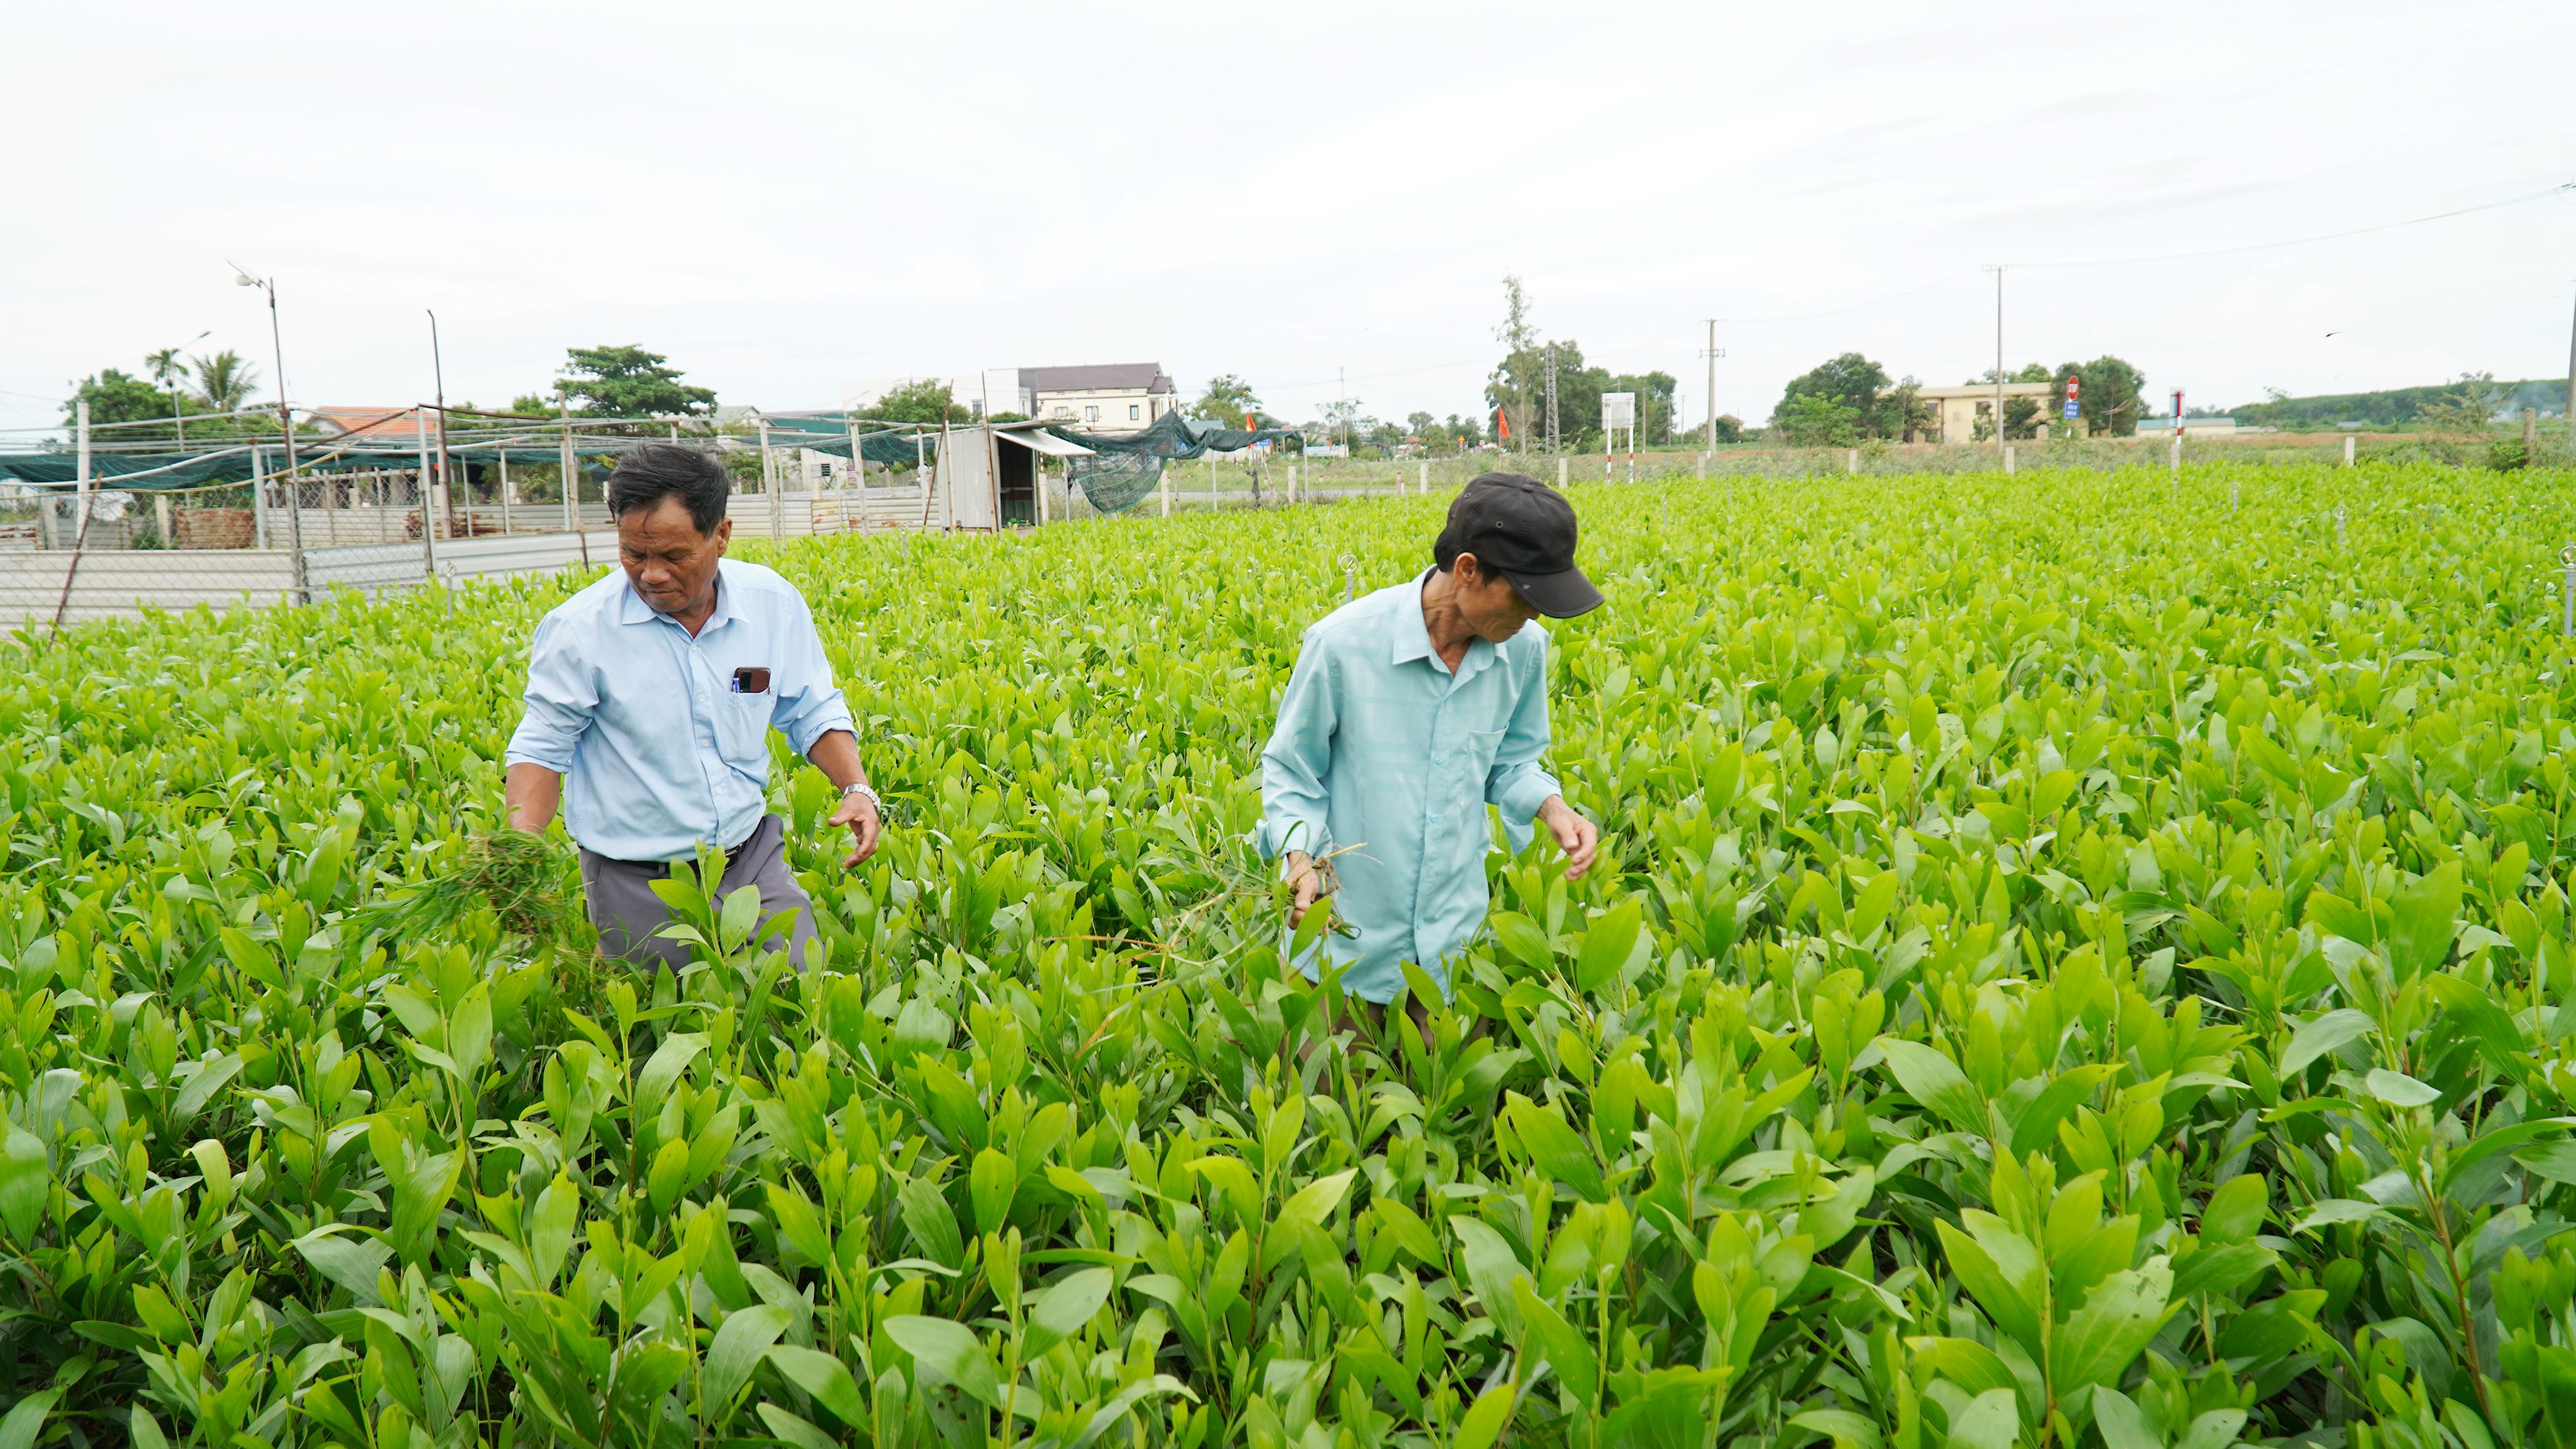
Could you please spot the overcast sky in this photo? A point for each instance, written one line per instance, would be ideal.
(781, 197)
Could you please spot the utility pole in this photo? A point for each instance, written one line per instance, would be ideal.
(286, 424)
(446, 470)
(1999, 358)
(2571, 386)
(1708, 442)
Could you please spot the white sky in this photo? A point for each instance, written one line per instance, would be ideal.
(782, 196)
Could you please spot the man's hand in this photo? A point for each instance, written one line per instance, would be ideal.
(865, 828)
(1579, 838)
(1312, 880)
(836, 754)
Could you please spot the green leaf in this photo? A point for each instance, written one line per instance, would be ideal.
(952, 1353)
(789, 1427)
(741, 913)
(1559, 1151)
(24, 1181)
(1607, 944)
(2123, 1426)
(1485, 1419)
(2426, 918)
(1490, 1266)
(669, 1059)
(1060, 1312)
(351, 1262)
(209, 1079)
(26, 1419)
(1847, 1429)
(1522, 937)
(825, 1377)
(146, 1430)
(737, 1350)
(2235, 1211)
(2118, 1320)
(1577, 1366)
(2400, 1090)
(2038, 1125)
(1935, 1081)
(2315, 1038)
(1991, 1421)
(1995, 1290)
(992, 1183)
(2216, 1429)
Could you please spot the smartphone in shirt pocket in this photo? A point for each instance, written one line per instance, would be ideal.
(751, 679)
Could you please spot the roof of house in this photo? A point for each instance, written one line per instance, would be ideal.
(378, 422)
(1098, 377)
(1987, 390)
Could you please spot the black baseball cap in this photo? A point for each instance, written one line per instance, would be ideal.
(1523, 530)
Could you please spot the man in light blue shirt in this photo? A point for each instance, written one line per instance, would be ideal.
(1410, 711)
(650, 699)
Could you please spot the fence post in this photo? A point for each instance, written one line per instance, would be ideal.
(1560, 472)
(258, 496)
(2347, 450)
(503, 453)
(2530, 435)
(1426, 477)
(2008, 458)
(1851, 461)
(2176, 460)
(428, 525)
(572, 486)
(769, 481)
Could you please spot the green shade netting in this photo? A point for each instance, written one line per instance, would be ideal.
(830, 436)
(1125, 468)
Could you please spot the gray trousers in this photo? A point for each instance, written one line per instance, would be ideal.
(623, 907)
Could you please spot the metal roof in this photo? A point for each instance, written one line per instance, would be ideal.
(1098, 377)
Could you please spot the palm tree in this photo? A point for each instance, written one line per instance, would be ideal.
(164, 365)
(225, 381)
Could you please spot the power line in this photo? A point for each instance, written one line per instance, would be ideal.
(2302, 241)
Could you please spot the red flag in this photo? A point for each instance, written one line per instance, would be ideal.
(1249, 425)
(1502, 427)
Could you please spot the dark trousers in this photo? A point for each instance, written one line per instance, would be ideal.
(623, 907)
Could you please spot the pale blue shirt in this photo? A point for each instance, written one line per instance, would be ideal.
(1383, 754)
(658, 750)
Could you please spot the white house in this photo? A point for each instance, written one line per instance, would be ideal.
(1111, 397)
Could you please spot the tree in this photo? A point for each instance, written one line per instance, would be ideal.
(2110, 394)
(167, 369)
(1421, 425)
(1518, 379)
(1730, 428)
(225, 383)
(1817, 420)
(1861, 388)
(2021, 414)
(114, 397)
(1227, 399)
(629, 382)
(924, 401)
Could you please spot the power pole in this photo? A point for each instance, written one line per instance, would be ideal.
(1999, 358)
(446, 471)
(2571, 386)
(1708, 443)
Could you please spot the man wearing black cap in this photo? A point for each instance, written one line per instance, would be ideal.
(1410, 711)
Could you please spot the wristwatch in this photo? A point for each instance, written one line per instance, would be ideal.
(875, 802)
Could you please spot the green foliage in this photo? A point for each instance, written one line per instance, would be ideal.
(225, 382)
(2397, 407)
(925, 401)
(628, 382)
(113, 397)
(1863, 405)
(2076, 961)
(1227, 400)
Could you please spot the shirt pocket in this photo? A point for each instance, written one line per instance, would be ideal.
(742, 730)
(1481, 748)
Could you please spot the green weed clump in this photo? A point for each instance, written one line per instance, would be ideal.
(2078, 960)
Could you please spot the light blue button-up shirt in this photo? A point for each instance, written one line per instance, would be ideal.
(1383, 754)
(659, 751)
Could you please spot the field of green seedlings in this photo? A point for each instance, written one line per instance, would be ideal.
(2079, 960)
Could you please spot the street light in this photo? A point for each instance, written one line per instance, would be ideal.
(286, 423)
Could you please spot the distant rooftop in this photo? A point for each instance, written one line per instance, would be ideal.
(1098, 377)
(377, 422)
